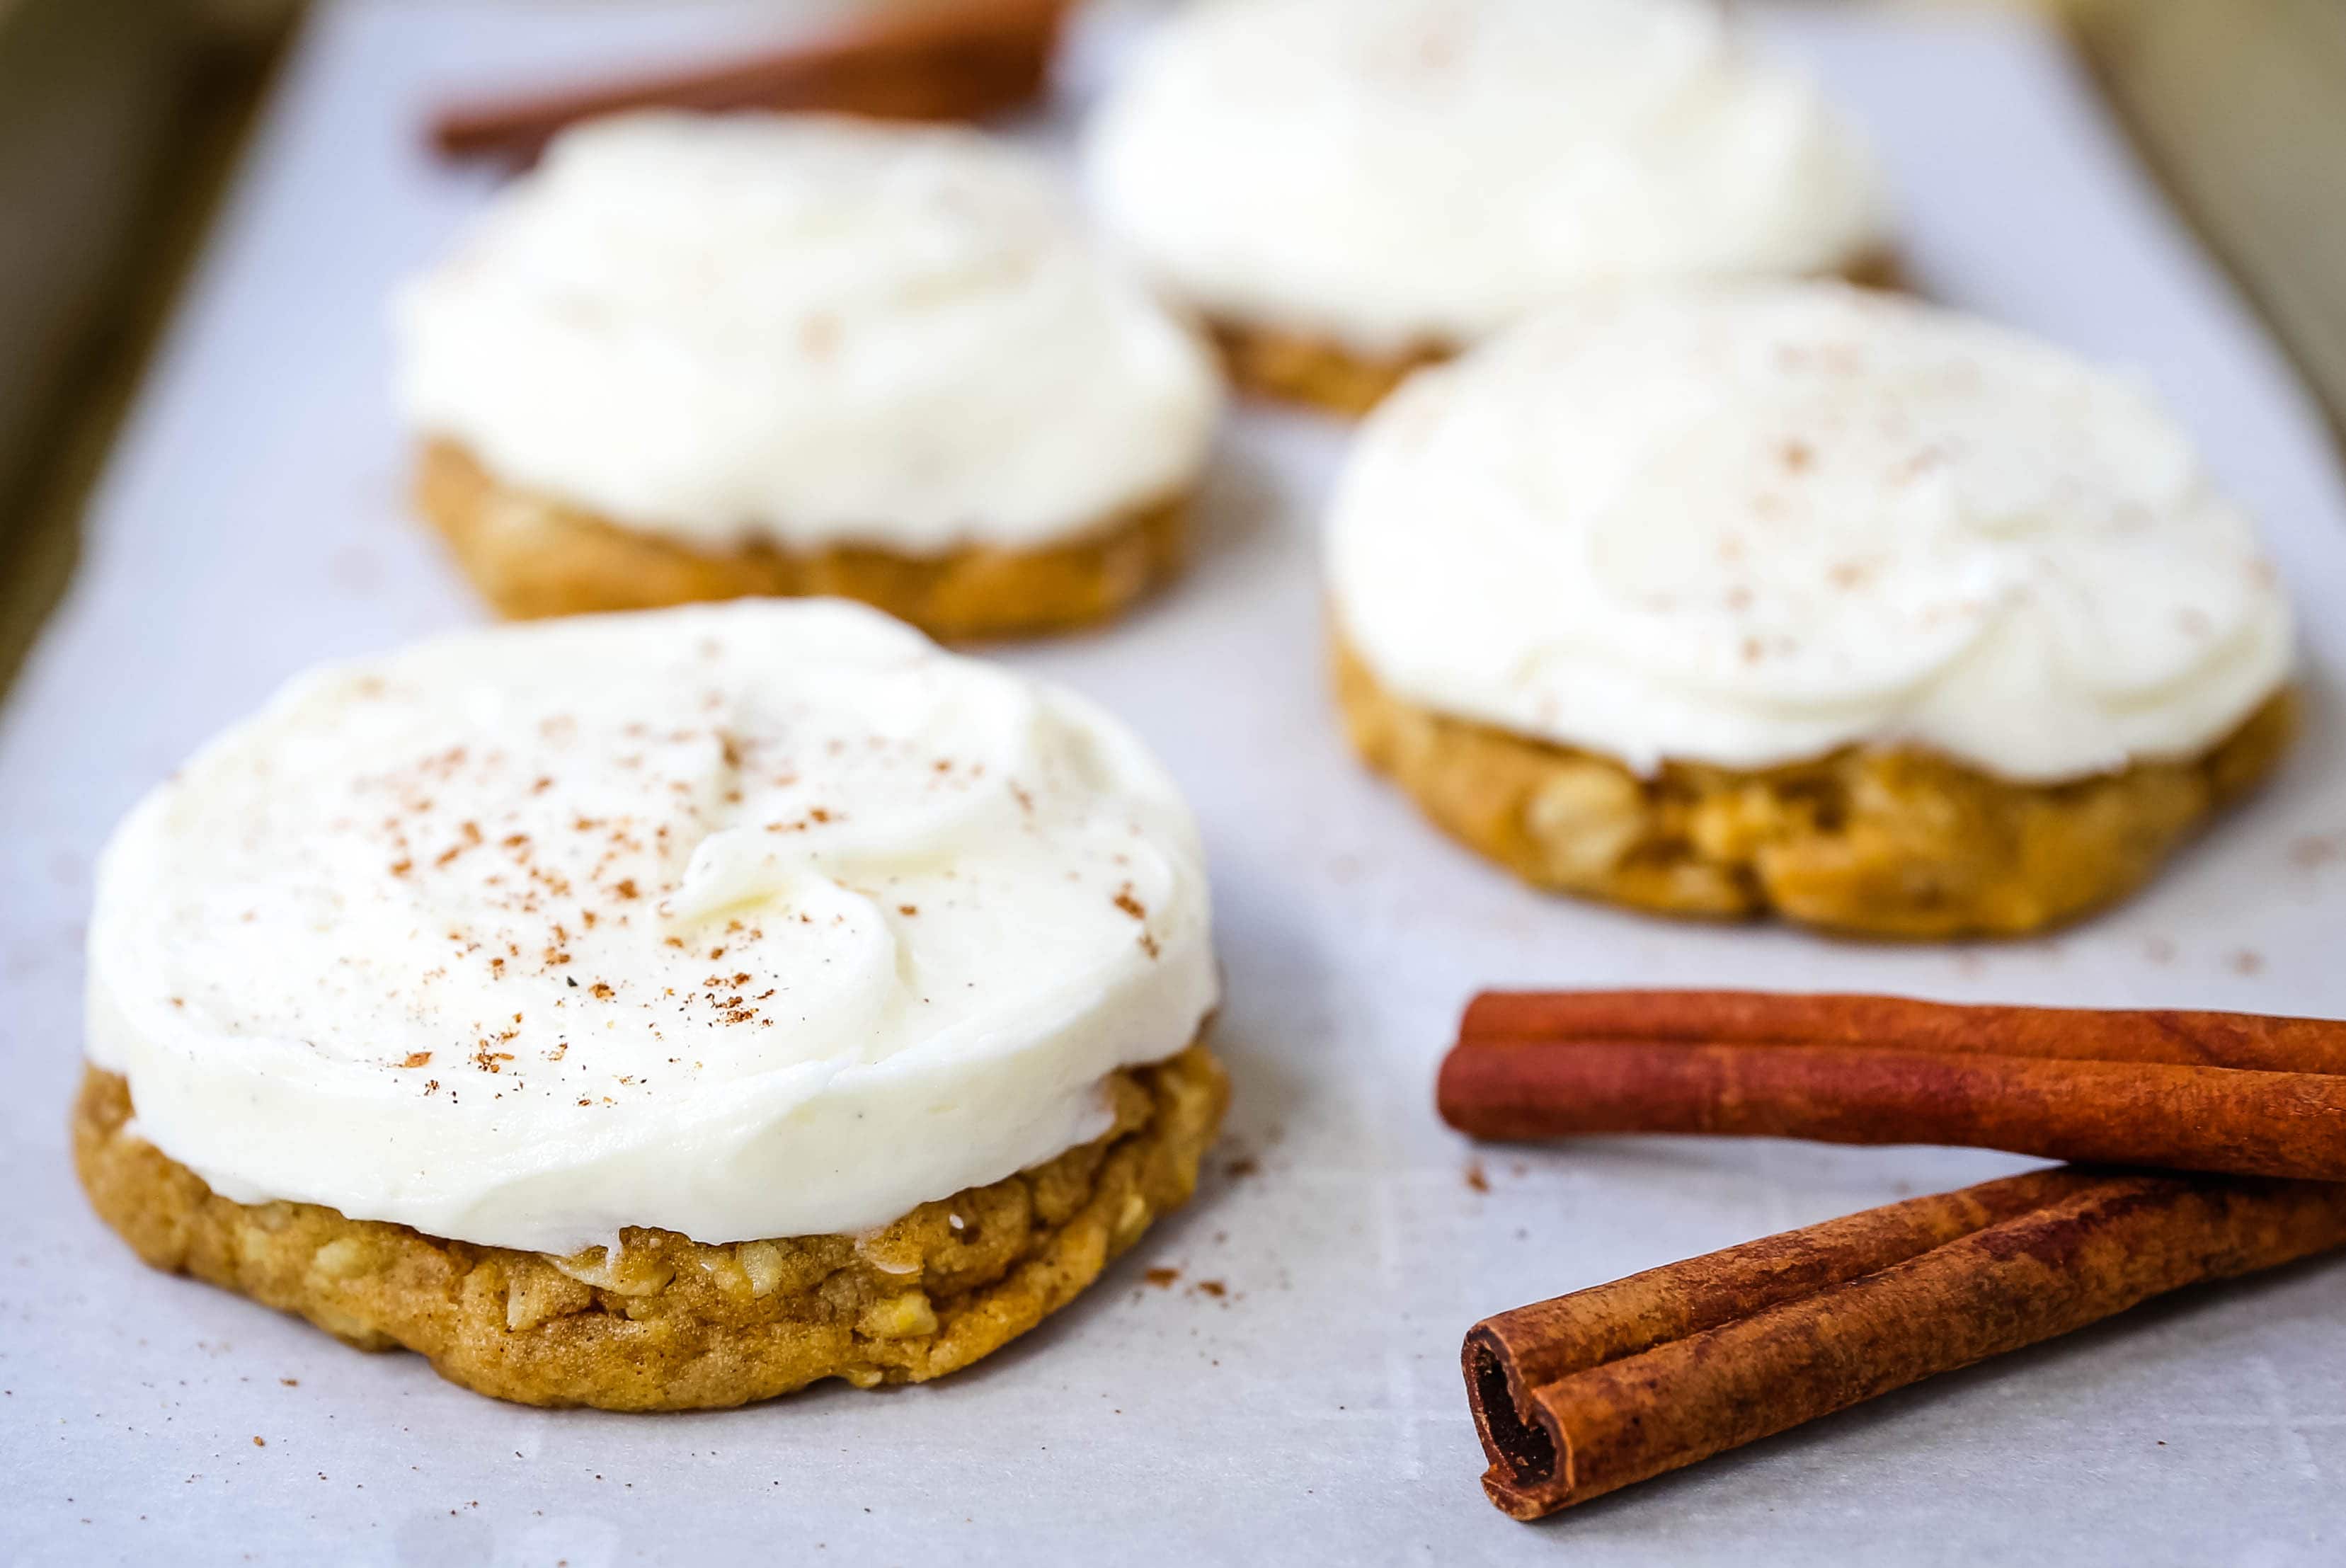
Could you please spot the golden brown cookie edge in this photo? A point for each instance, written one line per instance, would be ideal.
(674, 1324)
(1315, 370)
(1868, 841)
(532, 555)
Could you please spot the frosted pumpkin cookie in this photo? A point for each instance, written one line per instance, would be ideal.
(1797, 599)
(697, 358)
(1349, 188)
(655, 1011)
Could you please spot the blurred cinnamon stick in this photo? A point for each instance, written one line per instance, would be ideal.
(2247, 1039)
(1592, 1391)
(950, 59)
(2191, 1091)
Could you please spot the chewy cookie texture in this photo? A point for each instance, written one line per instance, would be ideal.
(1300, 367)
(1297, 367)
(1873, 841)
(703, 357)
(1349, 188)
(532, 555)
(672, 1324)
(445, 998)
(1803, 598)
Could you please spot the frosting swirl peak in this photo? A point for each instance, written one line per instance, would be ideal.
(761, 920)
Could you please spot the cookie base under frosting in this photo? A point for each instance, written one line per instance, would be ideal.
(532, 555)
(1318, 373)
(1872, 841)
(673, 1324)
(1288, 365)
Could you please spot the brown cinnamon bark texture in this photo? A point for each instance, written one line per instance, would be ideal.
(2244, 1040)
(1592, 1391)
(943, 60)
(2215, 1092)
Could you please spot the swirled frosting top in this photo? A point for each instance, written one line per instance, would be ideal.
(804, 332)
(1400, 174)
(1750, 525)
(762, 919)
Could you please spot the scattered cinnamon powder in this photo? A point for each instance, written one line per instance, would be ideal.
(2312, 852)
(1162, 1277)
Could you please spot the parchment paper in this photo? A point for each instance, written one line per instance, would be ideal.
(252, 522)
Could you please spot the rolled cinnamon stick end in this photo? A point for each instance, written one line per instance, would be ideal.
(1550, 1339)
(2173, 1118)
(2242, 1040)
(2091, 1245)
(948, 60)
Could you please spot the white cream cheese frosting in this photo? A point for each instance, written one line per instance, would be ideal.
(1750, 525)
(805, 330)
(761, 920)
(1405, 174)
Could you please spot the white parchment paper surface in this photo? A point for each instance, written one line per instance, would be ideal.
(251, 521)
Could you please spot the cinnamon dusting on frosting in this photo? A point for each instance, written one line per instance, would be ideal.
(513, 851)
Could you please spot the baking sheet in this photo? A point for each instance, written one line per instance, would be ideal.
(251, 522)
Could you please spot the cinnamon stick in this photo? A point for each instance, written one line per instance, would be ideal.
(2245, 1040)
(951, 59)
(1592, 1391)
(2216, 1092)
